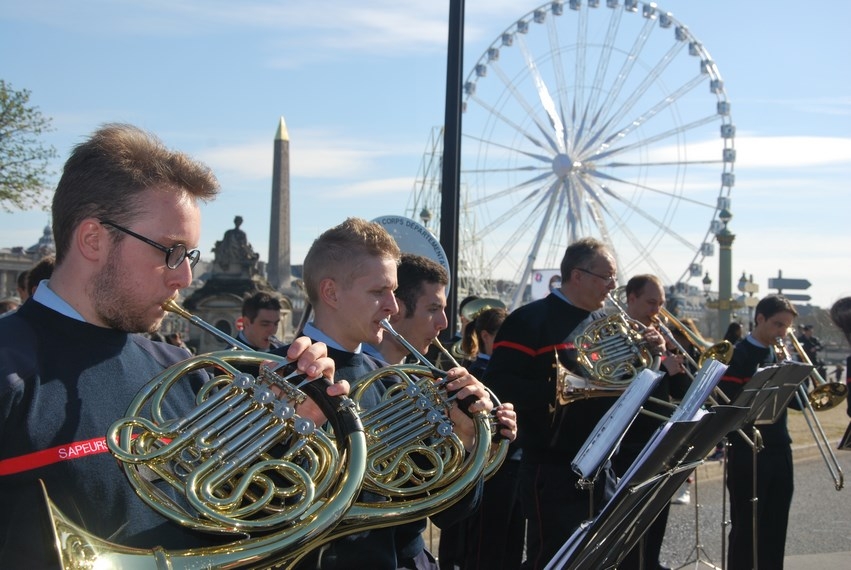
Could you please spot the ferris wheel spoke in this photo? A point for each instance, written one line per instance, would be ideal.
(658, 191)
(500, 116)
(626, 69)
(561, 84)
(656, 138)
(492, 143)
(539, 238)
(637, 94)
(545, 98)
(665, 103)
(605, 56)
(509, 191)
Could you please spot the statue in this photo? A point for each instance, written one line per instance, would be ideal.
(233, 254)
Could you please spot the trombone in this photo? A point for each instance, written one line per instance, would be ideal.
(808, 403)
(824, 395)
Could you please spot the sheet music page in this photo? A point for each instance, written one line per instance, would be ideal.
(611, 428)
(700, 390)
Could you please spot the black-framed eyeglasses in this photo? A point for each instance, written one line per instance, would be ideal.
(611, 279)
(174, 255)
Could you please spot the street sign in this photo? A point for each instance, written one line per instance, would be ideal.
(784, 283)
(796, 297)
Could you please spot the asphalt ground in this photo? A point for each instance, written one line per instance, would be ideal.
(819, 534)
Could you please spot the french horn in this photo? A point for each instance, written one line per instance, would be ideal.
(242, 462)
(612, 352)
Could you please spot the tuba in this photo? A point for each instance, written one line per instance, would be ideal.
(242, 462)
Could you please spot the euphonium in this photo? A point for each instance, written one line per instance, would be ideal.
(241, 462)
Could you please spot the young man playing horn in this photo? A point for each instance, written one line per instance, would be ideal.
(350, 274)
(261, 318)
(421, 296)
(126, 220)
(533, 341)
(773, 317)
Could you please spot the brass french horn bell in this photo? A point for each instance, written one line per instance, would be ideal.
(477, 306)
(469, 312)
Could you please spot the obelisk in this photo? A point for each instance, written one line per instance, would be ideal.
(278, 270)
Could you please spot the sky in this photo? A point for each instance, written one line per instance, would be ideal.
(361, 86)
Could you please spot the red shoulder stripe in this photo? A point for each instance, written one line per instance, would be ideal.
(734, 380)
(531, 351)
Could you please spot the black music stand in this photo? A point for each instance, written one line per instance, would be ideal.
(665, 463)
(645, 490)
(845, 442)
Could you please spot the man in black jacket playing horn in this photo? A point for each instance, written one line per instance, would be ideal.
(530, 347)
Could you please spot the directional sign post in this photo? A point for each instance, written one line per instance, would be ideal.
(780, 283)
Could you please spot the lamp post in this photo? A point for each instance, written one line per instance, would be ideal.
(425, 216)
(725, 239)
(746, 285)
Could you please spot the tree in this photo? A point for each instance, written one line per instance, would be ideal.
(23, 158)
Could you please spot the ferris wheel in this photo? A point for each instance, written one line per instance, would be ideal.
(607, 120)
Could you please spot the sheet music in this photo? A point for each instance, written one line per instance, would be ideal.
(700, 390)
(611, 428)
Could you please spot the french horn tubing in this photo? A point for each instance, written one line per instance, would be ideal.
(415, 461)
(498, 452)
(242, 462)
(612, 351)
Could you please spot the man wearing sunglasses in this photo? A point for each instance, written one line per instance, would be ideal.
(126, 221)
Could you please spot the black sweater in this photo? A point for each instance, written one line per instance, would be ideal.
(385, 548)
(63, 382)
(522, 371)
(747, 358)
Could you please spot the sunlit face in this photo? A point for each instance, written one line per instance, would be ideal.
(593, 284)
(422, 326)
(129, 290)
(768, 330)
(645, 306)
(364, 302)
(264, 325)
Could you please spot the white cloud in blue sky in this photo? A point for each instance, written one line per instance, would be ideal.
(361, 85)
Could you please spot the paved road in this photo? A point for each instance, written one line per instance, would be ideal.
(819, 535)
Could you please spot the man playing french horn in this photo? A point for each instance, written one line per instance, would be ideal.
(350, 274)
(532, 343)
(126, 220)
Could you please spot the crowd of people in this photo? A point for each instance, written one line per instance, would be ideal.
(83, 340)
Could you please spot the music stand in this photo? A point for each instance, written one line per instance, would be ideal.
(665, 463)
(675, 450)
(610, 430)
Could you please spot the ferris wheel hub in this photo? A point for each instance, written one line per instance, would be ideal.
(564, 165)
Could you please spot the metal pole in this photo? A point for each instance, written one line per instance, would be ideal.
(451, 181)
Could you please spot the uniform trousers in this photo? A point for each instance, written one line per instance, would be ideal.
(774, 488)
